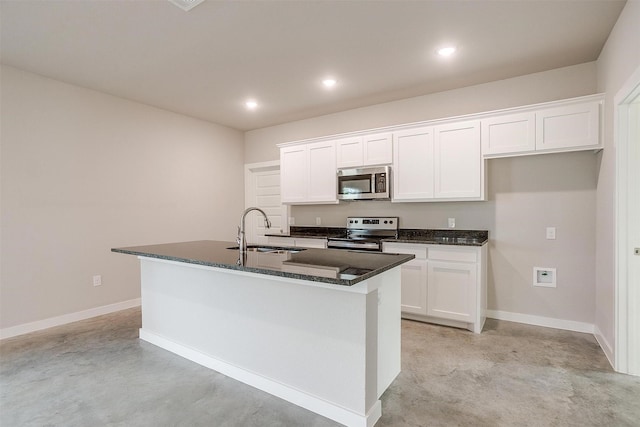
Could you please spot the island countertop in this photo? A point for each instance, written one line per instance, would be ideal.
(333, 266)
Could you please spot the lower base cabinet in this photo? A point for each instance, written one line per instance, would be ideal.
(445, 284)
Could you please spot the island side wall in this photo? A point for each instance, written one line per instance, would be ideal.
(328, 348)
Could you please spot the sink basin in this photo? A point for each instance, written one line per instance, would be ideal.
(269, 249)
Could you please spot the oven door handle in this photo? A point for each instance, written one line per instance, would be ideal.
(351, 245)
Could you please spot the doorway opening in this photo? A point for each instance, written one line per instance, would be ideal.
(627, 298)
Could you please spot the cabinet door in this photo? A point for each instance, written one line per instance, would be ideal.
(378, 149)
(568, 127)
(413, 287)
(451, 290)
(458, 161)
(349, 152)
(322, 177)
(512, 133)
(294, 165)
(413, 165)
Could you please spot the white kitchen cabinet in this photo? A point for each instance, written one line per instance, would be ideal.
(413, 282)
(413, 165)
(377, 149)
(553, 127)
(458, 161)
(366, 150)
(451, 290)
(294, 174)
(438, 163)
(308, 173)
(444, 284)
(322, 173)
(568, 126)
(510, 133)
(349, 152)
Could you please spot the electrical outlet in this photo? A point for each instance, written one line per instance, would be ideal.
(97, 280)
(292, 221)
(318, 220)
(452, 223)
(551, 233)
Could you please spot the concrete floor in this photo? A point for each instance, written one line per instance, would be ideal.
(96, 372)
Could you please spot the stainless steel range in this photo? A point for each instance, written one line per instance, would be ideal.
(366, 233)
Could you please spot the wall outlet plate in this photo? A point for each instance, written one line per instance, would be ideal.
(551, 233)
(452, 222)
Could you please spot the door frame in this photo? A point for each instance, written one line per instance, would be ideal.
(627, 297)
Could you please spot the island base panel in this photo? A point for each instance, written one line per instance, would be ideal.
(330, 349)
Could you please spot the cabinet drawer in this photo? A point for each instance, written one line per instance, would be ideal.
(460, 255)
(420, 251)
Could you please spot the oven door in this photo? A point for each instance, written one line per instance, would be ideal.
(363, 184)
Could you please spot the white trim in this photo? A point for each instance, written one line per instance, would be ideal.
(283, 391)
(605, 345)
(51, 322)
(548, 322)
(625, 304)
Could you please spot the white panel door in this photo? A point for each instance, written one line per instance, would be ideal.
(457, 161)
(349, 152)
(511, 133)
(413, 165)
(451, 290)
(322, 177)
(568, 127)
(262, 189)
(378, 149)
(294, 176)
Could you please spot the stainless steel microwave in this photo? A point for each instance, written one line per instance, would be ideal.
(364, 183)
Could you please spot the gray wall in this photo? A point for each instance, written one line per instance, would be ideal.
(526, 194)
(83, 172)
(618, 60)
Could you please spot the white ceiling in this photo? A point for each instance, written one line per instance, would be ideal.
(206, 62)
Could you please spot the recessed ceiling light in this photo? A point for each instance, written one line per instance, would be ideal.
(251, 104)
(186, 5)
(329, 83)
(447, 51)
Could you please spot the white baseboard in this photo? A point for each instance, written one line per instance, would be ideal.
(26, 328)
(549, 322)
(283, 391)
(606, 347)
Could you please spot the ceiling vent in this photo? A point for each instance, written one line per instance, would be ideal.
(186, 5)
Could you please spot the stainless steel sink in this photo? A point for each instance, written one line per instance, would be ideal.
(269, 249)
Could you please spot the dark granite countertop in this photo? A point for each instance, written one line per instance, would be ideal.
(405, 235)
(333, 266)
(313, 232)
(442, 237)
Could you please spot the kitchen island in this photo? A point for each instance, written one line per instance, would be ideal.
(317, 327)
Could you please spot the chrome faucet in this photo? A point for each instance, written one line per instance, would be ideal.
(241, 240)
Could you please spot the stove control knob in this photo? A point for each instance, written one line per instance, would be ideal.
(385, 222)
(391, 222)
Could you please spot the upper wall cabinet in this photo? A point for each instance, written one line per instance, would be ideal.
(438, 163)
(510, 133)
(413, 165)
(366, 150)
(570, 125)
(457, 161)
(308, 173)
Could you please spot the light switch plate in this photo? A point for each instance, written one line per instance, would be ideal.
(551, 233)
